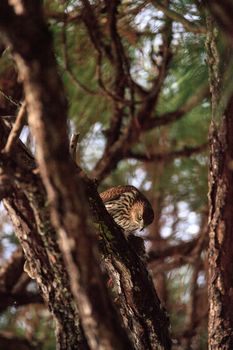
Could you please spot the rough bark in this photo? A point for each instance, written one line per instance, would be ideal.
(131, 280)
(147, 325)
(221, 235)
(221, 211)
(42, 87)
(27, 206)
(223, 13)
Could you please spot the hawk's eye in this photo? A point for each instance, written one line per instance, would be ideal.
(140, 218)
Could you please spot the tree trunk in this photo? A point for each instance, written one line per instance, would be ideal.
(221, 234)
(221, 210)
(135, 320)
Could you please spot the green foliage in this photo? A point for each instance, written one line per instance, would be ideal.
(179, 180)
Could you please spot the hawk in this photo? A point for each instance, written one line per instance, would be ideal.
(129, 208)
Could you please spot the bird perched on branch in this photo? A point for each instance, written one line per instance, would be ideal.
(129, 208)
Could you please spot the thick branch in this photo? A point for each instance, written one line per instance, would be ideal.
(11, 271)
(112, 155)
(65, 191)
(70, 214)
(47, 273)
(27, 207)
(171, 117)
(223, 13)
(18, 299)
(92, 25)
(134, 302)
(115, 153)
(121, 74)
(182, 249)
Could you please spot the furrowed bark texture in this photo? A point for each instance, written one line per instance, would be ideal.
(47, 118)
(222, 11)
(131, 283)
(27, 206)
(138, 304)
(28, 210)
(221, 235)
(221, 210)
(53, 284)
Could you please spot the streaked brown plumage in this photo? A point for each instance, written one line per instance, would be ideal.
(130, 209)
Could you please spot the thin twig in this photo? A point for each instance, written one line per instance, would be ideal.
(103, 87)
(16, 130)
(73, 145)
(73, 152)
(132, 132)
(170, 155)
(9, 98)
(78, 83)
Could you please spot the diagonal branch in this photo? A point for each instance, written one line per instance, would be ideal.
(11, 271)
(16, 130)
(70, 207)
(26, 204)
(193, 27)
(18, 299)
(168, 156)
(94, 31)
(223, 13)
(184, 248)
(69, 210)
(112, 155)
(121, 74)
(123, 146)
(171, 117)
